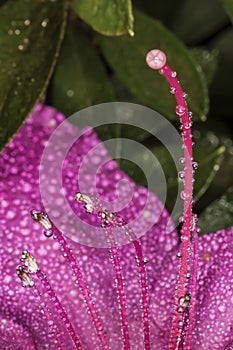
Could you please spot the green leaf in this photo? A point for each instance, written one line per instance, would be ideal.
(77, 82)
(218, 215)
(165, 11)
(228, 5)
(108, 17)
(208, 60)
(127, 57)
(30, 37)
(208, 158)
(196, 20)
(209, 161)
(221, 89)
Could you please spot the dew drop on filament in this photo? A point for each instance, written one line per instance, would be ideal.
(48, 233)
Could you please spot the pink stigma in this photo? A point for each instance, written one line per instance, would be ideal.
(156, 59)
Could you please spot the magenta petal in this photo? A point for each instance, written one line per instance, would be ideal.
(214, 328)
(20, 188)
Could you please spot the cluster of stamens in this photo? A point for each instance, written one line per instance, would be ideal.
(30, 267)
(156, 59)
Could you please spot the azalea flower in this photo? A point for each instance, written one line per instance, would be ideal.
(76, 294)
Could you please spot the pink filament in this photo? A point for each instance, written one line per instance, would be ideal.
(188, 190)
(143, 284)
(119, 221)
(182, 110)
(193, 291)
(60, 309)
(49, 319)
(144, 291)
(82, 284)
(120, 288)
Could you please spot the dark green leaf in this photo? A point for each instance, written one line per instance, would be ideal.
(208, 61)
(218, 215)
(208, 158)
(221, 89)
(80, 79)
(30, 37)
(165, 11)
(127, 57)
(196, 20)
(108, 17)
(228, 5)
(209, 161)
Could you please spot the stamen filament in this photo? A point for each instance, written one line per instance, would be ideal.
(108, 220)
(51, 324)
(143, 283)
(83, 287)
(120, 288)
(188, 189)
(59, 308)
(193, 291)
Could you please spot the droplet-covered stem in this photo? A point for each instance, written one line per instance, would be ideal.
(60, 309)
(156, 59)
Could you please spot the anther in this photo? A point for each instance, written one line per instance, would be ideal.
(24, 276)
(83, 198)
(42, 219)
(29, 261)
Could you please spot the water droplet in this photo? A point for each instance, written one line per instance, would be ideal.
(48, 233)
(21, 47)
(190, 114)
(180, 110)
(182, 160)
(181, 175)
(144, 261)
(27, 22)
(172, 90)
(178, 255)
(181, 219)
(187, 125)
(180, 309)
(195, 165)
(44, 23)
(161, 71)
(180, 323)
(173, 74)
(222, 308)
(70, 93)
(17, 32)
(184, 95)
(184, 195)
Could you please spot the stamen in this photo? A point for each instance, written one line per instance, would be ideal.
(59, 308)
(193, 290)
(120, 288)
(42, 219)
(31, 262)
(24, 276)
(89, 205)
(141, 262)
(82, 284)
(109, 220)
(185, 117)
(49, 319)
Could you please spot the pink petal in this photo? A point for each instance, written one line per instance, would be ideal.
(20, 189)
